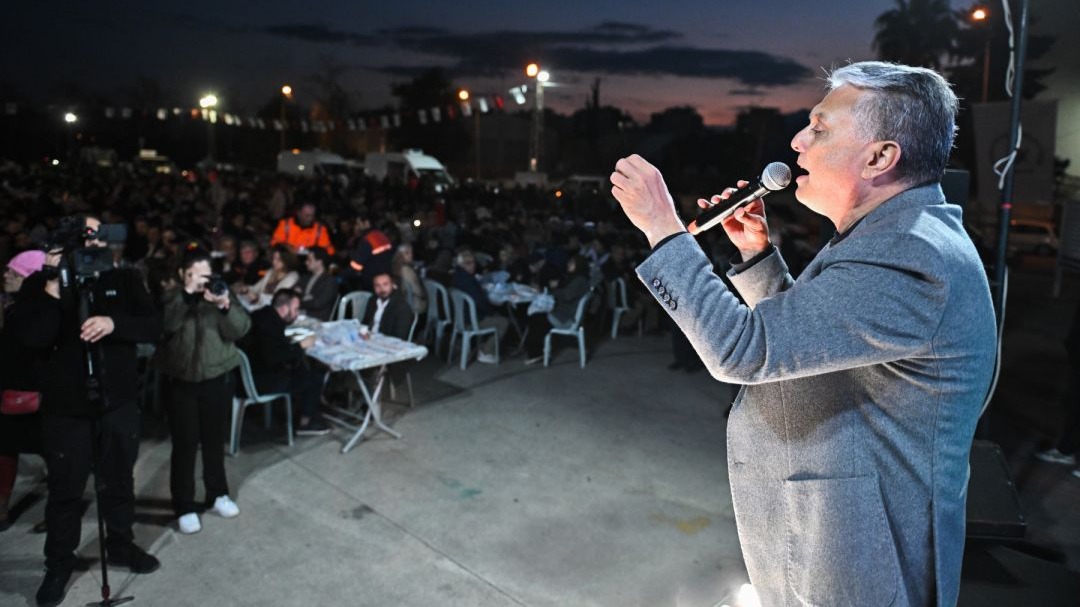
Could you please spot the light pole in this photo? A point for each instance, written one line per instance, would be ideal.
(980, 15)
(286, 95)
(536, 146)
(208, 102)
(463, 96)
(70, 118)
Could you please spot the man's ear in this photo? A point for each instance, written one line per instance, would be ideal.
(882, 158)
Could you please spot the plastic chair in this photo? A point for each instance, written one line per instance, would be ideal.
(620, 305)
(254, 398)
(575, 330)
(438, 312)
(467, 326)
(352, 305)
(408, 374)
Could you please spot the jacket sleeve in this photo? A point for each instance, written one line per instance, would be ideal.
(235, 323)
(323, 294)
(35, 316)
(175, 309)
(324, 240)
(141, 321)
(876, 302)
(279, 233)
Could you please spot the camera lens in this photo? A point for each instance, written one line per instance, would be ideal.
(218, 287)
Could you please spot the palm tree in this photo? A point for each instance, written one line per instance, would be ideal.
(916, 32)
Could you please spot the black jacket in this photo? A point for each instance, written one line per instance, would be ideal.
(53, 326)
(317, 300)
(397, 318)
(266, 345)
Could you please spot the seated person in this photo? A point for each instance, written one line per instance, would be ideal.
(281, 275)
(562, 315)
(279, 365)
(318, 289)
(249, 266)
(389, 314)
(464, 280)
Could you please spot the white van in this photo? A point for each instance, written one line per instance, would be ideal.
(402, 166)
(312, 163)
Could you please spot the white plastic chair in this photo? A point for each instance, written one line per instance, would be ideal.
(438, 312)
(408, 374)
(467, 326)
(575, 330)
(620, 305)
(239, 405)
(352, 305)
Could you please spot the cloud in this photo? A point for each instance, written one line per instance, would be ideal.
(309, 32)
(611, 47)
(747, 92)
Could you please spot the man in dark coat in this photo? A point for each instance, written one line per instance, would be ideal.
(121, 314)
(280, 365)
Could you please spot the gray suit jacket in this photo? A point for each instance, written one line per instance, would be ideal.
(848, 446)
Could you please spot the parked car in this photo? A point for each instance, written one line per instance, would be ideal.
(1032, 236)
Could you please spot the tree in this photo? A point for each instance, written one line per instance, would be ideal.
(917, 32)
(332, 101)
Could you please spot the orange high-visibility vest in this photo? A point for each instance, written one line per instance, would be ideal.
(290, 233)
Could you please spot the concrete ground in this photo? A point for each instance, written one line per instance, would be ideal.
(517, 485)
(512, 485)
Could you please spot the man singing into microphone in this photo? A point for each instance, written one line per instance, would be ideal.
(848, 447)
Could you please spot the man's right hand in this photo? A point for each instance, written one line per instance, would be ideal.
(746, 227)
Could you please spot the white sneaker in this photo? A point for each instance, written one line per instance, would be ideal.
(487, 359)
(189, 523)
(1054, 456)
(225, 507)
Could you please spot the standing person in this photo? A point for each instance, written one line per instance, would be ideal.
(280, 365)
(303, 231)
(199, 355)
(20, 419)
(1064, 451)
(318, 290)
(122, 316)
(848, 448)
(371, 254)
(576, 286)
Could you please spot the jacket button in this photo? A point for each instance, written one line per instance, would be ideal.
(667, 297)
(673, 304)
(656, 282)
(661, 290)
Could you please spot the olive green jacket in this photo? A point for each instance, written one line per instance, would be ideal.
(200, 340)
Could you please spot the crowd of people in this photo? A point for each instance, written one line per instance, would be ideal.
(218, 265)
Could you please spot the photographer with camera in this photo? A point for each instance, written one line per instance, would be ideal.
(80, 310)
(199, 354)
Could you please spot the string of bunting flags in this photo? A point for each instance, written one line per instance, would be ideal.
(363, 122)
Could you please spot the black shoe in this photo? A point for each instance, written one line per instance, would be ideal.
(315, 427)
(134, 558)
(53, 588)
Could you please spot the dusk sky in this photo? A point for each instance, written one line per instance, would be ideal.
(715, 56)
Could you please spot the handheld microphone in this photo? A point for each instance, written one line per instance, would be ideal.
(775, 177)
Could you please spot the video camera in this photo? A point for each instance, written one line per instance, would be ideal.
(86, 263)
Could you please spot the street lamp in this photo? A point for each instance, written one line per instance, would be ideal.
(208, 102)
(286, 95)
(981, 15)
(464, 96)
(536, 144)
(71, 118)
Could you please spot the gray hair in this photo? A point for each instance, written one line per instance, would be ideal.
(912, 106)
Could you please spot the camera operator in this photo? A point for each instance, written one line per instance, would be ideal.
(121, 315)
(199, 354)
